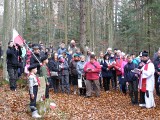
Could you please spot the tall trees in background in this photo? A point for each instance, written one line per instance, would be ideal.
(139, 26)
(53, 21)
(131, 25)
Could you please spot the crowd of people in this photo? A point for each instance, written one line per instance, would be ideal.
(67, 67)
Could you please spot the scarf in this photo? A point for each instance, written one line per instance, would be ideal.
(144, 80)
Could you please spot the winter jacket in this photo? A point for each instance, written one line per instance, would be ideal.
(80, 67)
(72, 48)
(136, 61)
(73, 68)
(13, 57)
(128, 74)
(117, 66)
(61, 50)
(157, 64)
(100, 60)
(33, 60)
(63, 68)
(93, 74)
(44, 72)
(23, 49)
(53, 66)
(122, 67)
(106, 72)
(32, 82)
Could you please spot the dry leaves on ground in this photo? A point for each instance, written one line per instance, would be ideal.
(114, 105)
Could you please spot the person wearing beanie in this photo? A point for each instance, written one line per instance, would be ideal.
(146, 82)
(33, 89)
(44, 72)
(92, 70)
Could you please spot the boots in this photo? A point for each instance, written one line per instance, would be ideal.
(35, 114)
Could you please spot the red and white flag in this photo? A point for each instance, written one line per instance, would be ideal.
(17, 39)
(52, 105)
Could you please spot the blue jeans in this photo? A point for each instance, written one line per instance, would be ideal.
(65, 83)
(33, 101)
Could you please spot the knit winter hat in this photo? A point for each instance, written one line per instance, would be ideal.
(145, 53)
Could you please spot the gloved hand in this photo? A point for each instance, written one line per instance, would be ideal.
(147, 93)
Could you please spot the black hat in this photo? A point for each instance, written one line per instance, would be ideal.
(44, 58)
(32, 67)
(145, 53)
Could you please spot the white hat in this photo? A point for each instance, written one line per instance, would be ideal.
(140, 55)
(123, 54)
(92, 53)
(118, 51)
(109, 49)
(60, 56)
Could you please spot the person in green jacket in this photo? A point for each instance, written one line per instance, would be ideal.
(44, 72)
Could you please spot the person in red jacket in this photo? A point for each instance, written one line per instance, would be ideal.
(92, 70)
(117, 67)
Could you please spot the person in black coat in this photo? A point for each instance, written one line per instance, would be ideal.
(13, 55)
(73, 72)
(106, 72)
(33, 59)
(53, 66)
(157, 73)
(132, 79)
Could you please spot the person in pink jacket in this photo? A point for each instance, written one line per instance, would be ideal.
(92, 70)
(124, 57)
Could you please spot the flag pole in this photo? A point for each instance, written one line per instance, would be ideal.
(32, 52)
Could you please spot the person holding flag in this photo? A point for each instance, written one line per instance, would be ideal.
(13, 54)
(35, 58)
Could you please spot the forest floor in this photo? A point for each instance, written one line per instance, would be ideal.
(113, 105)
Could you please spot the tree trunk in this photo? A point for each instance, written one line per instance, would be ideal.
(6, 21)
(110, 23)
(82, 40)
(66, 21)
